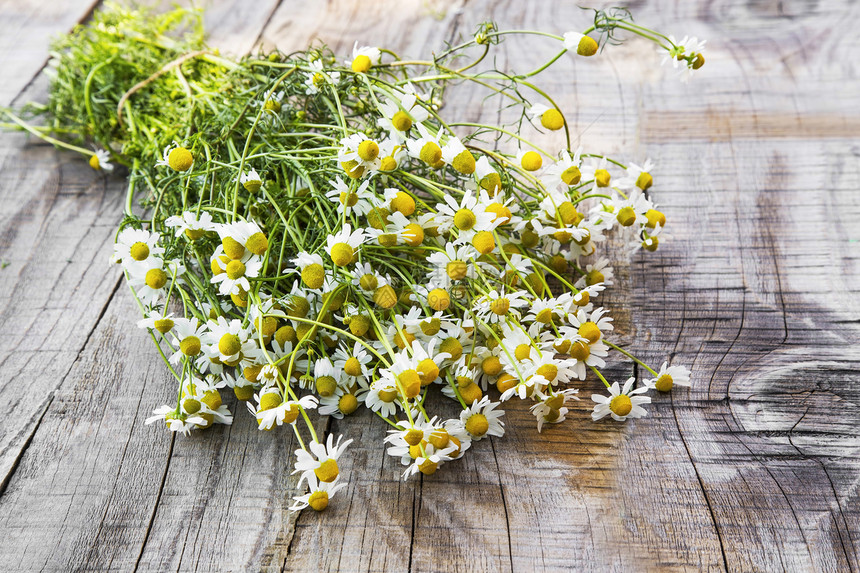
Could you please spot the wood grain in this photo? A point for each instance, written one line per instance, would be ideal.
(755, 468)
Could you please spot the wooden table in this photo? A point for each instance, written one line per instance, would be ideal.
(755, 468)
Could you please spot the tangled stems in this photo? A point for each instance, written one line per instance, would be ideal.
(335, 242)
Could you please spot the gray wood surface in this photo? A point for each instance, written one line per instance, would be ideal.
(755, 468)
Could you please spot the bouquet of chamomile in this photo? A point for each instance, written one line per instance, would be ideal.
(311, 234)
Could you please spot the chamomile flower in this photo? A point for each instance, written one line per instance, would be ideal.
(342, 246)
(481, 419)
(688, 50)
(497, 306)
(321, 460)
(234, 279)
(381, 397)
(177, 158)
(455, 262)
(187, 338)
(359, 155)
(564, 173)
(427, 148)
(136, 248)
(176, 421)
(400, 115)
(100, 160)
(319, 496)
(549, 117)
(251, 181)
(596, 273)
(363, 58)
(341, 403)
(194, 225)
(621, 403)
(668, 377)
(358, 200)
(579, 43)
(318, 77)
(152, 281)
(158, 321)
(352, 362)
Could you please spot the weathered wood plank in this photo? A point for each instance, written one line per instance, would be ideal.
(754, 469)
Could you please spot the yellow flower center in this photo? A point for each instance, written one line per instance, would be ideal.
(529, 239)
(621, 405)
(522, 351)
(650, 244)
(163, 325)
(272, 106)
(155, 278)
(456, 270)
(491, 366)
(464, 162)
(413, 436)
(501, 212)
(401, 121)
(341, 254)
(500, 306)
(269, 401)
(531, 161)
(465, 219)
(428, 371)
(453, 347)
(655, 218)
(568, 213)
(491, 183)
(571, 175)
(352, 367)
(243, 393)
(385, 297)
(325, 386)
(353, 169)
(548, 371)
(191, 406)
(583, 239)
(387, 240)
(413, 234)
(348, 199)
(580, 350)
(318, 500)
(233, 248)
(387, 396)
(544, 316)
(626, 216)
(664, 383)
(318, 79)
(368, 149)
(484, 242)
(431, 327)
(94, 162)
(586, 47)
(411, 382)
(361, 64)
(359, 325)
(581, 298)
(388, 163)
(477, 425)
(257, 243)
(552, 119)
(404, 203)
(594, 277)
(602, 177)
(139, 251)
(347, 404)
(470, 392)
(589, 331)
(644, 181)
(229, 344)
(368, 281)
(439, 438)
(190, 346)
(212, 399)
(378, 217)
(235, 270)
(438, 299)
(327, 471)
(562, 346)
(431, 153)
(180, 159)
(505, 383)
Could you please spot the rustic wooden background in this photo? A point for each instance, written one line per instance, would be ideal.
(756, 468)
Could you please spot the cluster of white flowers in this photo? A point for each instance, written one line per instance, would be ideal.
(416, 260)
